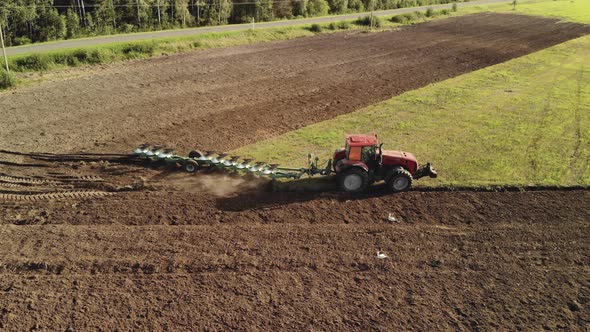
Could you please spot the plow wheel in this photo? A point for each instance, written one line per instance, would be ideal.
(190, 166)
(354, 180)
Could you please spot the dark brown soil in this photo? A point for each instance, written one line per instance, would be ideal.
(224, 98)
(97, 245)
(267, 261)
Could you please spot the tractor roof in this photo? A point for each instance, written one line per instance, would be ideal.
(361, 140)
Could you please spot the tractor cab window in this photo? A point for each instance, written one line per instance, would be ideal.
(368, 153)
(353, 152)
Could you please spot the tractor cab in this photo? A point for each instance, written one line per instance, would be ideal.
(361, 148)
(363, 161)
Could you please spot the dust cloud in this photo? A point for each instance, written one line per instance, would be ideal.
(221, 185)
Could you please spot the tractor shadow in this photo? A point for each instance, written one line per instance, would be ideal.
(277, 193)
(304, 190)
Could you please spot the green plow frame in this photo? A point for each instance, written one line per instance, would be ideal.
(218, 160)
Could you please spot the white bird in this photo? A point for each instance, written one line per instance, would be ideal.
(392, 218)
(381, 255)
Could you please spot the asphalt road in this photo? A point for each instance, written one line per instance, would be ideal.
(74, 43)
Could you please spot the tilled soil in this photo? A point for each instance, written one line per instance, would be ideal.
(92, 242)
(224, 98)
(268, 261)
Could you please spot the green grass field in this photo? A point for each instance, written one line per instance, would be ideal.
(568, 10)
(526, 121)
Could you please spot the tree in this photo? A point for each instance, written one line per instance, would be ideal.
(300, 7)
(72, 24)
(338, 6)
(51, 25)
(182, 13)
(217, 12)
(90, 23)
(356, 5)
(317, 8)
(25, 15)
(264, 10)
(106, 21)
(282, 9)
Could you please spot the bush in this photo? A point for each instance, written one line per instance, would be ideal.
(429, 12)
(403, 18)
(315, 28)
(445, 12)
(126, 28)
(34, 62)
(80, 55)
(139, 48)
(21, 41)
(366, 21)
(6, 80)
(410, 17)
(99, 56)
(66, 59)
(343, 25)
(454, 8)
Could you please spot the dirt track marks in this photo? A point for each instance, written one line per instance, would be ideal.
(50, 187)
(73, 194)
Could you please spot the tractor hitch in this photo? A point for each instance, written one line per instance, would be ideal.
(425, 170)
(314, 168)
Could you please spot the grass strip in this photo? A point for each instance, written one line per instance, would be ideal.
(522, 122)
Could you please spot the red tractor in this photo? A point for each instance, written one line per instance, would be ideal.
(363, 162)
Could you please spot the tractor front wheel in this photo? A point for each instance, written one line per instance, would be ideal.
(354, 180)
(190, 166)
(399, 180)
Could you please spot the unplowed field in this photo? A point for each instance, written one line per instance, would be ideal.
(94, 242)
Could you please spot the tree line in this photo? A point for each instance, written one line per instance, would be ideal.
(27, 21)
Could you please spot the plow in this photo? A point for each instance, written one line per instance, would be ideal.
(359, 164)
(197, 160)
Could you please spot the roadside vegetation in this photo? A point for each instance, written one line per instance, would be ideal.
(26, 22)
(526, 121)
(6, 80)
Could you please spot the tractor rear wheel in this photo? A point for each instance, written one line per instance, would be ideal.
(399, 180)
(354, 180)
(190, 166)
